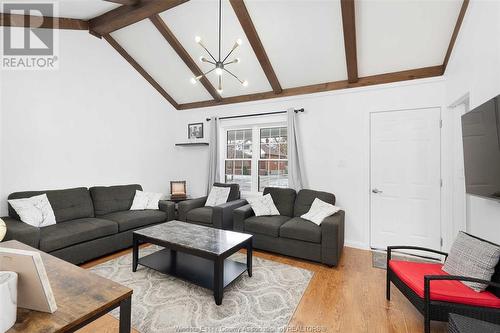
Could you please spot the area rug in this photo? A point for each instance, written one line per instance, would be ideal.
(379, 259)
(162, 303)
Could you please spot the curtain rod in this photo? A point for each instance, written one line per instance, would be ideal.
(257, 114)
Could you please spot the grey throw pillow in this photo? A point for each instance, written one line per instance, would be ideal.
(472, 257)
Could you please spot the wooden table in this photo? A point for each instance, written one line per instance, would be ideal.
(81, 298)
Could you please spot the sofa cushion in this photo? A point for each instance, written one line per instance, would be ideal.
(265, 225)
(62, 235)
(234, 193)
(200, 215)
(412, 274)
(131, 219)
(110, 199)
(68, 204)
(305, 199)
(284, 199)
(300, 229)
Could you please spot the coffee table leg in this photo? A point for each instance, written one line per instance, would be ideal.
(135, 253)
(218, 280)
(126, 315)
(249, 257)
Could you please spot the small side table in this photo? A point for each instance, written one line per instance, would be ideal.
(177, 200)
(461, 324)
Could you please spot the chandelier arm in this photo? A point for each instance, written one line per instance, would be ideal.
(228, 54)
(210, 62)
(237, 78)
(208, 72)
(210, 54)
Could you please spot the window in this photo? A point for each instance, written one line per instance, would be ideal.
(239, 158)
(256, 157)
(273, 162)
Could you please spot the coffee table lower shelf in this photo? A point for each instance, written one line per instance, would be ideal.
(197, 270)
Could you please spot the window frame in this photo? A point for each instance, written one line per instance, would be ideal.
(255, 125)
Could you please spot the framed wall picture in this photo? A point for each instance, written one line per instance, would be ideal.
(195, 131)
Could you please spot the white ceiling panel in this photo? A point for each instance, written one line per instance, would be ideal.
(304, 40)
(148, 47)
(200, 18)
(78, 9)
(399, 35)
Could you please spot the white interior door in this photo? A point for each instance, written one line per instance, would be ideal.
(406, 178)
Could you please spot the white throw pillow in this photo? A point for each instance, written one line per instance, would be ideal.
(217, 196)
(263, 206)
(145, 200)
(319, 211)
(3, 229)
(35, 211)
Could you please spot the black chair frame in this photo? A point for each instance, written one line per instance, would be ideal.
(438, 310)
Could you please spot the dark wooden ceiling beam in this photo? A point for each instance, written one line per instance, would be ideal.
(139, 68)
(454, 35)
(349, 26)
(413, 74)
(248, 27)
(46, 22)
(126, 15)
(183, 54)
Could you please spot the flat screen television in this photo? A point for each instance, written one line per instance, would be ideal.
(481, 142)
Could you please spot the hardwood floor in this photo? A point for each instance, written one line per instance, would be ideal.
(347, 298)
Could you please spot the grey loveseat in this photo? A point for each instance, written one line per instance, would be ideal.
(90, 222)
(221, 217)
(291, 235)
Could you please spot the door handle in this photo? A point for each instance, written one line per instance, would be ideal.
(375, 190)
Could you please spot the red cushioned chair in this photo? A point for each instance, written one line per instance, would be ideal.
(436, 294)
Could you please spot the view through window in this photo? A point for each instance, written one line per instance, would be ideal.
(256, 158)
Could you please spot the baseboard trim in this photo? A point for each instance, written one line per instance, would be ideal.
(356, 245)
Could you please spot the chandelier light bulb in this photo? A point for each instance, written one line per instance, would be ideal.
(218, 71)
(197, 39)
(193, 80)
(203, 59)
(239, 41)
(244, 83)
(220, 91)
(237, 60)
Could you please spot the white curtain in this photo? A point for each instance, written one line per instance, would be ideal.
(213, 167)
(296, 179)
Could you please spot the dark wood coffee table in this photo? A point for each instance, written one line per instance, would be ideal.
(81, 297)
(195, 253)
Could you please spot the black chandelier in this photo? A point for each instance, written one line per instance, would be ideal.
(219, 63)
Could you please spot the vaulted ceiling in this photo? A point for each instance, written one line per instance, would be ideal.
(289, 47)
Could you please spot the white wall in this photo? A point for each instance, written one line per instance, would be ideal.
(335, 139)
(95, 121)
(474, 69)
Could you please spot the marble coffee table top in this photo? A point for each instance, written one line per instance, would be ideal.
(195, 236)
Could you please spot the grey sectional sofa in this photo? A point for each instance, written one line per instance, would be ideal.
(291, 235)
(90, 222)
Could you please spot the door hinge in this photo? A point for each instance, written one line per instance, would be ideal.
(440, 123)
(441, 241)
(441, 182)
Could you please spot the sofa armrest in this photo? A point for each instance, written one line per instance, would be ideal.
(184, 207)
(332, 238)
(240, 215)
(222, 216)
(167, 207)
(22, 232)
